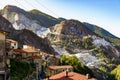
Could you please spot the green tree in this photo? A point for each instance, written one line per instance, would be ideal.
(116, 73)
(78, 66)
(19, 69)
(87, 42)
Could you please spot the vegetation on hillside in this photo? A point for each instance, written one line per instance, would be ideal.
(39, 17)
(45, 19)
(71, 43)
(87, 42)
(114, 40)
(20, 70)
(115, 74)
(103, 33)
(78, 66)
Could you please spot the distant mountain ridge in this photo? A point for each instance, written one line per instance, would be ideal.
(33, 20)
(70, 35)
(93, 45)
(34, 14)
(46, 19)
(72, 27)
(39, 22)
(103, 33)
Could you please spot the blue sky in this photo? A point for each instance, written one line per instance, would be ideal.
(104, 13)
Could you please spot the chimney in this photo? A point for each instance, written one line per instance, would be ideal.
(48, 78)
(67, 72)
(88, 76)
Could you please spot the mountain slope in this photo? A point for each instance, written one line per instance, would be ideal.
(104, 33)
(26, 37)
(46, 19)
(34, 14)
(34, 20)
(5, 24)
(72, 27)
(71, 37)
(73, 34)
(101, 30)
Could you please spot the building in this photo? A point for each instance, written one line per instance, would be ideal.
(25, 53)
(66, 75)
(12, 44)
(38, 61)
(50, 59)
(3, 59)
(52, 70)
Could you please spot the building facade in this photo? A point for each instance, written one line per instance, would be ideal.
(12, 44)
(3, 68)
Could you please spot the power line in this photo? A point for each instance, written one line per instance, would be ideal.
(46, 8)
(30, 4)
(35, 6)
(20, 4)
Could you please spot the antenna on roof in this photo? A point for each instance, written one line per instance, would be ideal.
(67, 72)
(88, 76)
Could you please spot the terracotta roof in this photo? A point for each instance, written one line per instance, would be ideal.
(71, 76)
(19, 50)
(25, 50)
(29, 50)
(59, 67)
(35, 57)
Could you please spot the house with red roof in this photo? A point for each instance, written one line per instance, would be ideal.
(67, 75)
(52, 70)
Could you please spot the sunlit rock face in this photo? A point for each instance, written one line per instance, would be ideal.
(20, 21)
(100, 41)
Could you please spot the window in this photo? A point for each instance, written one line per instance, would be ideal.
(14, 44)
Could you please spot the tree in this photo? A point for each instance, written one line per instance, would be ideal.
(19, 69)
(116, 73)
(78, 66)
(87, 42)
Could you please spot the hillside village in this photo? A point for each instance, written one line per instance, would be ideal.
(37, 46)
(46, 65)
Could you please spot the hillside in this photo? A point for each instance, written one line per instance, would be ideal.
(73, 38)
(26, 37)
(72, 27)
(93, 46)
(33, 20)
(72, 31)
(46, 19)
(42, 18)
(104, 33)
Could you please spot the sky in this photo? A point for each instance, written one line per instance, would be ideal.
(104, 13)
